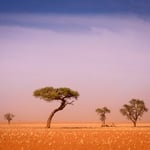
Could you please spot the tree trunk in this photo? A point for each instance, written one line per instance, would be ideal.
(9, 121)
(61, 107)
(104, 122)
(134, 123)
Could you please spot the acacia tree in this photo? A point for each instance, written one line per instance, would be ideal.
(102, 112)
(64, 95)
(9, 117)
(134, 110)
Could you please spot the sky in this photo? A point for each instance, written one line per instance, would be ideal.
(99, 48)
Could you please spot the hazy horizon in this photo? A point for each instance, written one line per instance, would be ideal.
(103, 54)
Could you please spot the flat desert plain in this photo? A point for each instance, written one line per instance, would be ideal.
(74, 136)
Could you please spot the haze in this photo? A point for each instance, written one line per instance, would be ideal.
(105, 57)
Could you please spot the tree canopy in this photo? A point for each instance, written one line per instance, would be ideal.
(134, 110)
(102, 112)
(50, 93)
(9, 117)
(63, 94)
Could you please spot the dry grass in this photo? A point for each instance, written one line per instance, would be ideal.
(81, 136)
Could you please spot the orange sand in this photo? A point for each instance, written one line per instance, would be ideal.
(73, 137)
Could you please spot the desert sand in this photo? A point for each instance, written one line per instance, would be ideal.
(74, 136)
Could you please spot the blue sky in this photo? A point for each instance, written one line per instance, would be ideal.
(99, 48)
(77, 7)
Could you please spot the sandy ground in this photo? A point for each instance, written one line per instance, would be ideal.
(74, 136)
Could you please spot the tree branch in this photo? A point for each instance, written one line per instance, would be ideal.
(71, 103)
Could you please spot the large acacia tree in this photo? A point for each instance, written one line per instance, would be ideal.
(64, 95)
(102, 112)
(134, 110)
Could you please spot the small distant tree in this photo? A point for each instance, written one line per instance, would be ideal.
(63, 95)
(9, 117)
(134, 110)
(102, 112)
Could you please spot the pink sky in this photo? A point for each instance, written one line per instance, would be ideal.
(108, 64)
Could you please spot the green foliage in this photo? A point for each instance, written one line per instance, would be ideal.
(134, 110)
(50, 93)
